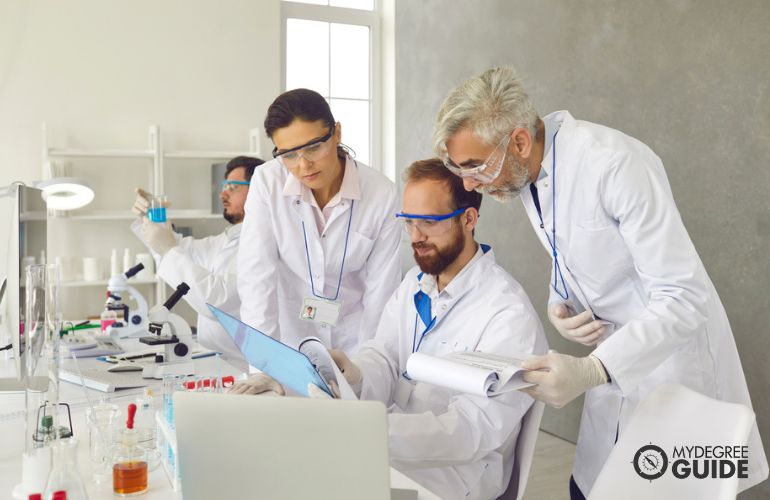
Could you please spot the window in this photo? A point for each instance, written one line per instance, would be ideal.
(331, 46)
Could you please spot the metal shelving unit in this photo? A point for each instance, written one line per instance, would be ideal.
(155, 154)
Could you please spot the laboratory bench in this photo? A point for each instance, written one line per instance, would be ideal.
(12, 427)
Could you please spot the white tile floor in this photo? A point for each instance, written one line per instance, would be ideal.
(551, 468)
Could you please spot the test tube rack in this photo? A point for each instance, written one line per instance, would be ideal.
(168, 451)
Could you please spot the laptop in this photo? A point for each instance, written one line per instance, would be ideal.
(235, 446)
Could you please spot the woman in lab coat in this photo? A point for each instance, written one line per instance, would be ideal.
(320, 232)
(626, 277)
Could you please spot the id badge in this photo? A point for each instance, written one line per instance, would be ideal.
(320, 311)
(404, 389)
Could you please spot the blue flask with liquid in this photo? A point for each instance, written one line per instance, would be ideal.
(157, 212)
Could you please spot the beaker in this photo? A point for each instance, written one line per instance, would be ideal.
(102, 420)
(157, 211)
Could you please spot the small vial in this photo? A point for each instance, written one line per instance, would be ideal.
(157, 211)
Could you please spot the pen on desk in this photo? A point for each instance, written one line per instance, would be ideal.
(115, 359)
(204, 354)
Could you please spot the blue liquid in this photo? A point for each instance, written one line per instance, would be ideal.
(157, 215)
(168, 410)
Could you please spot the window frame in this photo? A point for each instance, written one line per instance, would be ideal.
(345, 15)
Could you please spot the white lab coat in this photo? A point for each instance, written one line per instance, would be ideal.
(622, 241)
(456, 445)
(273, 263)
(208, 265)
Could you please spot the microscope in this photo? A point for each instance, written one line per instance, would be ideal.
(131, 323)
(174, 334)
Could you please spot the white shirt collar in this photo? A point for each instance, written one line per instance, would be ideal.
(552, 124)
(234, 231)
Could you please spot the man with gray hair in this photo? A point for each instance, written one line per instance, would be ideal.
(626, 279)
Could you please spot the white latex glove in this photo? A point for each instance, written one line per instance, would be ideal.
(580, 328)
(560, 378)
(158, 237)
(141, 203)
(316, 392)
(258, 383)
(349, 369)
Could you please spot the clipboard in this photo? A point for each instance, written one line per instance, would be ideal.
(288, 366)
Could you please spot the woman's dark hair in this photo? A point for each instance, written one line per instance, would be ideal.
(246, 162)
(305, 104)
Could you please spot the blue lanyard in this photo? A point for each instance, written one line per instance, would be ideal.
(552, 242)
(342, 265)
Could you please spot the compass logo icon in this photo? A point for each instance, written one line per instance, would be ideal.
(650, 462)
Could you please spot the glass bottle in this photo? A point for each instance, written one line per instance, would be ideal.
(65, 475)
(146, 428)
(129, 469)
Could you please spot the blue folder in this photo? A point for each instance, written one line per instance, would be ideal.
(287, 365)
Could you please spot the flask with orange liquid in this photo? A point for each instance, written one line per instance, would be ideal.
(129, 469)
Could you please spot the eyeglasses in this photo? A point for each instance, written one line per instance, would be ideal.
(486, 172)
(429, 225)
(311, 151)
(230, 186)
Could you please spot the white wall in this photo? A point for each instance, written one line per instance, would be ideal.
(689, 78)
(99, 73)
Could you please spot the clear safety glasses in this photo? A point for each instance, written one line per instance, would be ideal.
(486, 172)
(311, 151)
(230, 186)
(429, 225)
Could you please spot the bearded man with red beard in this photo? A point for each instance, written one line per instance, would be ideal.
(456, 299)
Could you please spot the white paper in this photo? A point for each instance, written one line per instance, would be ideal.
(472, 372)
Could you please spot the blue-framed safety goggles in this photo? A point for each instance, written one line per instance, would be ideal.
(229, 186)
(429, 225)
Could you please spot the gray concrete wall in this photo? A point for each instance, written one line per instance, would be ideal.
(689, 78)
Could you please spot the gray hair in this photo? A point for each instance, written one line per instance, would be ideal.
(491, 105)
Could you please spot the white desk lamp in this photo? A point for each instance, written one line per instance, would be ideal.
(60, 193)
(65, 193)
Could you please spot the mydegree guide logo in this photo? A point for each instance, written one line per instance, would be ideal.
(692, 461)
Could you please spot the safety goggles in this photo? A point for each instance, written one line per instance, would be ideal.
(230, 186)
(488, 171)
(429, 225)
(311, 151)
